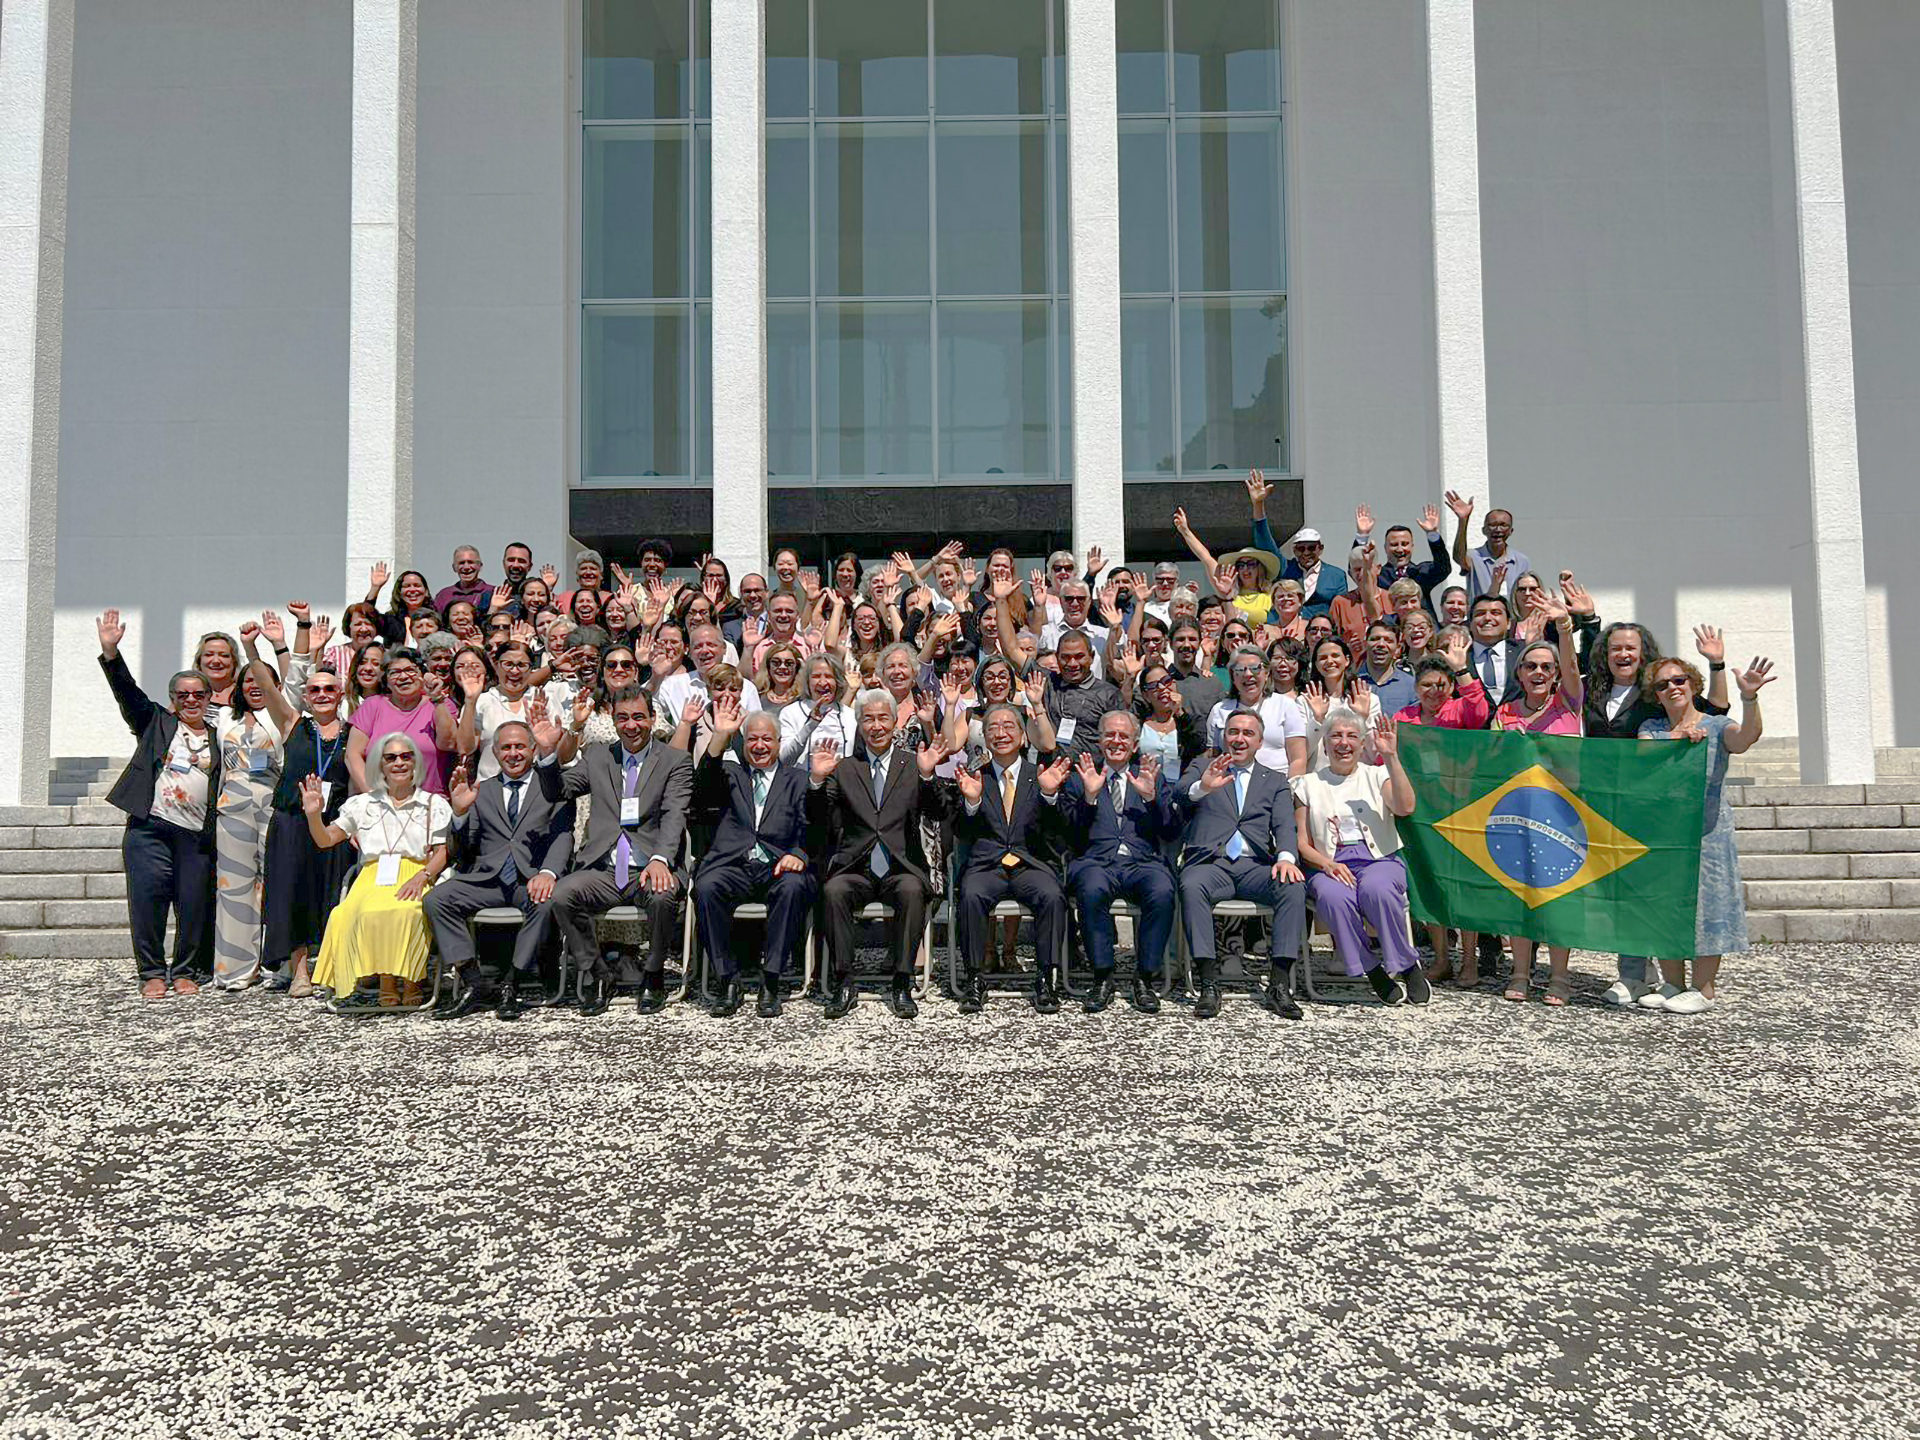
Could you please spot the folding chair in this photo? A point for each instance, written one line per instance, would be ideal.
(505, 917)
(1235, 910)
(436, 969)
(1005, 909)
(867, 915)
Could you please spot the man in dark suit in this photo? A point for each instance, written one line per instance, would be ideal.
(1240, 845)
(640, 793)
(1008, 820)
(872, 805)
(1494, 659)
(759, 852)
(511, 843)
(1123, 811)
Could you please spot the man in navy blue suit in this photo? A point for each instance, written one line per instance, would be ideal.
(1125, 811)
(1240, 845)
(759, 851)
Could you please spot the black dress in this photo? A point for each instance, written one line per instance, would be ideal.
(303, 881)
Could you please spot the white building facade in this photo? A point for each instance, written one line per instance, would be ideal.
(290, 285)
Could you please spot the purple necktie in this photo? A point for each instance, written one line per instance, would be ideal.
(623, 849)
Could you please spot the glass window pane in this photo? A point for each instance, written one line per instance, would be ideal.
(995, 402)
(989, 57)
(703, 393)
(876, 391)
(638, 60)
(1146, 384)
(1057, 102)
(789, 392)
(993, 208)
(787, 57)
(872, 207)
(1228, 204)
(1062, 212)
(635, 213)
(702, 59)
(1064, 350)
(1226, 55)
(789, 223)
(1140, 36)
(1145, 243)
(703, 211)
(872, 57)
(634, 392)
(1233, 384)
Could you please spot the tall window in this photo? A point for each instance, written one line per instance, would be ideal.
(645, 271)
(916, 279)
(1202, 237)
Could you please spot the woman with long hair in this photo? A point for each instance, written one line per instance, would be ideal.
(1334, 686)
(363, 673)
(216, 656)
(778, 679)
(484, 710)
(584, 607)
(463, 622)
(1168, 730)
(410, 592)
(303, 881)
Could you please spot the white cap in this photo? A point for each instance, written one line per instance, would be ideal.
(1307, 537)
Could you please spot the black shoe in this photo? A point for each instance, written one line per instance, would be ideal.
(1280, 992)
(510, 1007)
(769, 1006)
(973, 995)
(466, 1000)
(1492, 953)
(727, 1002)
(1046, 999)
(598, 996)
(1419, 988)
(1385, 986)
(1101, 995)
(653, 994)
(901, 1001)
(1146, 999)
(842, 998)
(1207, 1004)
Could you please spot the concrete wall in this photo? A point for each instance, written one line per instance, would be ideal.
(203, 407)
(1879, 46)
(1645, 403)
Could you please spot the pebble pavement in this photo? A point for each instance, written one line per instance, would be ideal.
(248, 1217)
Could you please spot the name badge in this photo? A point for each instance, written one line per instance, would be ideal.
(326, 793)
(1064, 732)
(630, 810)
(175, 767)
(258, 762)
(386, 872)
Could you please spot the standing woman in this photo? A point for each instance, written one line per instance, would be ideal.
(463, 622)
(218, 658)
(483, 711)
(410, 593)
(1333, 688)
(584, 607)
(167, 792)
(381, 927)
(1720, 917)
(402, 705)
(303, 881)
(1283, 743)
(778, 678)
(363, 674)
(1167, 730)
(821, 716)
(250, 765)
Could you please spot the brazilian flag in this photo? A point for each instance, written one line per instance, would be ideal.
(1563, 840)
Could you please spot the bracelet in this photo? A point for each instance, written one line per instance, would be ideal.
(279, 649)
(304, 625)
(1716, 665)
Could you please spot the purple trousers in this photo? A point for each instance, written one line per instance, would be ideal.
(1379, 895)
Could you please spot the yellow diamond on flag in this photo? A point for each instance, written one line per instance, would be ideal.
(1539, 839)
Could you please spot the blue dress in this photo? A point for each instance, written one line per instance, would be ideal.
(1720, 919)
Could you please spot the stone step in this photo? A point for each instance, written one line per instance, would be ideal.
(60, 944)
(48, 887)
(1809, 817)
(66, 862)
(92, 914)
(1793, 895)
(1808, 866)
(1887, 792)
(1854, 926)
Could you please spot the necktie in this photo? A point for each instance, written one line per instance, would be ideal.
(1118, 792)
(878, 864)
(623, 847)
(1236, 847)
(1009, 783)
(1487, 675)
(760, 783)
(509, 872)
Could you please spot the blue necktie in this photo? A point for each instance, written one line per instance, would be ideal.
(879, 862)
(1236, 847)
(508, 871)
(760, 780)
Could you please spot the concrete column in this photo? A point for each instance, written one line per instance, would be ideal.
(36, 94)
(1093, 177)
(1837, 748)
(380, 289)
(1460, 350)
(739, 284)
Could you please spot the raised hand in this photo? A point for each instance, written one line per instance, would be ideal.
(1499, 578)
(695, 707)
(826, 755)
(520, 633)
(321, 633)
(1037, 583)
(434, 687)
(1096, 559)
(1575, 597)
(1180, 521)
(1455, 648)
(1146, 779)
(931, 754)
(969, 573)
(1258, 487)
(810, 582)
(972, 783)
(1004, 587)
(1386, 734)
(249, 635)
(1052, 777)
(1125, 662)
(1222, 580)
(1092, 777)
(1530, 627)
(1359, 694)
(1362, 520)
(377, 577)
(751, 633)
(551, 576)
(902, 563)
(713, 587)
(471, 686)
(1460, 505)
(620, 579)
(502, 597)
(1758, 675)
(950, 691)
(582, 707)
(310, 797)
(1219, 772)
(1035, 685)
(948, 551)
(726, 713)
(299, 609)
(1711, 644)
(1430, 519)
(1317, 699)
(460, 789)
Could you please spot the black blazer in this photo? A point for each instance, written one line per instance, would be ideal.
(1512, 690)
(726, 788)
(987, 835)
(1142, 825)
(842, 805)
(1266, 823)
(153, 728)
(541, 839)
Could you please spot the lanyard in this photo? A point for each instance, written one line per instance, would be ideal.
(326, 756)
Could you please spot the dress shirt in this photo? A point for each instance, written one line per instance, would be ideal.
(1480, 563)
(412, 829)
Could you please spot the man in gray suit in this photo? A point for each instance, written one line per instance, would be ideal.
(512, 844)
(640, 793)
(1240, 845)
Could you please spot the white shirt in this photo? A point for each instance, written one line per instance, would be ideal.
(801, 735)
(1619, 698)
(1498, 654)
(180, 790)
(412, 829)
(1349, 803)
(677, 688)
(1282, 718)
(492, 710)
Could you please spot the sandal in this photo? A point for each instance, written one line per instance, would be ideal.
(1559, 990)
(1519, 985)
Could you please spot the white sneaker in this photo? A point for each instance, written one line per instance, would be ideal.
(1688, 1002)
(1619, 993)
(1658, 999)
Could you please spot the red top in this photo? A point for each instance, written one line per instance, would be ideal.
(1466, 711)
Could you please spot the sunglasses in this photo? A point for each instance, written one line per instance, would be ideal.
(323, 690)
(403, 758)
(1673, 682)
(619, 665)
(1550, 665)
(181, 697)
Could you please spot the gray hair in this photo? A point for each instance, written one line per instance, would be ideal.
(762, 718)
(913, 656)
(1133, 721)
(439, 640)
(584, 556)
(1062, 555)
(473, 550)
(1253, 652)
(180, 675)
(821, 657)
(377, 781)
(872, 697)
(506, 725)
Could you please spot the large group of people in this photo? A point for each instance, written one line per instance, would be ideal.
(324, 811)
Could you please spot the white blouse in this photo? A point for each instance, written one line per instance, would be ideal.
(1355, 804)
(413, 829)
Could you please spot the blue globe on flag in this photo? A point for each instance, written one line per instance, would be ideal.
(1536, 837)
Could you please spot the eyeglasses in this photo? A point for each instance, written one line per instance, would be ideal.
(783, 662)
(1673, 682)
(323, 691)
(1156, 684)
(1246, 669)
(399, 758)
(619, 665)
(180, 697)
(1539, 665)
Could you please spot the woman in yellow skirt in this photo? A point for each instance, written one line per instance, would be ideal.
(380, 929)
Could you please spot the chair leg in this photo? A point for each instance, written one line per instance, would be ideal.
(687, 957)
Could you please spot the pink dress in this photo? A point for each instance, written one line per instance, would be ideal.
(1556, 719)
(379, 716)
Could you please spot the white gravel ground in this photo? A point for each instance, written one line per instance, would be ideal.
(247, 1217)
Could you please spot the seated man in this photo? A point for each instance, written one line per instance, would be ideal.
(1009, 814)
(1240, 845)
(640, 793)
(872, 805)
(1123, 810)
(759, 853)
(510, 844)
